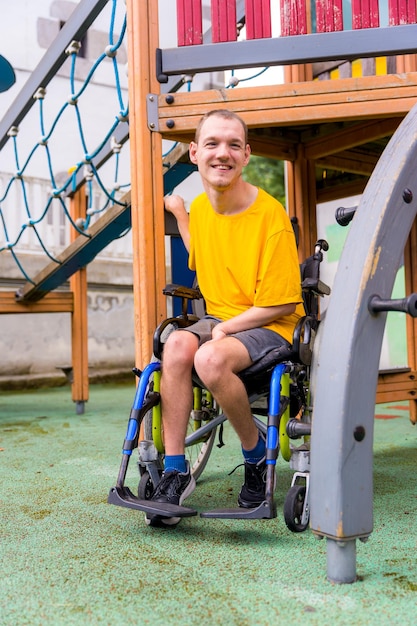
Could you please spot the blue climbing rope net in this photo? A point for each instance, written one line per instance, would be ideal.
(65, 149)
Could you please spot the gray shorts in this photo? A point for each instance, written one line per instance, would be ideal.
(257, 341)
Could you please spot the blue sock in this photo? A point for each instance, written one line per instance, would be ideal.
(175, 462)
(257, 453)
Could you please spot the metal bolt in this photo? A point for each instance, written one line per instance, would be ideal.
(359, 433)
(169, 99)
(170, 123)
(407, 195)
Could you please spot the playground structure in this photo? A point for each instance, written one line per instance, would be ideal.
(335, 126)
(312, 124)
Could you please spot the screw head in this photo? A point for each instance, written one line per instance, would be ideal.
(359, 433)
(407, 195)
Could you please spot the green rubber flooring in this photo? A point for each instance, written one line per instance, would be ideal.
(67, 557)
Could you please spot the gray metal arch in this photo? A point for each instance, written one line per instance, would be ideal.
(345, 371)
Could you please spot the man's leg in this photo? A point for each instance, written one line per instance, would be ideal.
(176, 482)
(217, 364)
(176, 389)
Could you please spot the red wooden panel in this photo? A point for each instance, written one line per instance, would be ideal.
(223, 20)
(402, 12)
(189, 22)
(365, 14)
(293, 17)
(329, 16)
(258, 19)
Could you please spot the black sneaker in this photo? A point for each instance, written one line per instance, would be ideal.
(173, 488)
(252, 493)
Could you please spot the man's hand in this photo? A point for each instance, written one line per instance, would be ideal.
(175, 205)
(217, 332)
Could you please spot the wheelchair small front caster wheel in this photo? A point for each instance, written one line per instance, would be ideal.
(145, 487)
(293, 509)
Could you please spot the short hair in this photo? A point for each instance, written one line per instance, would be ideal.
(226, 114)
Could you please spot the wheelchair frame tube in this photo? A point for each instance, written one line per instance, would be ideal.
(133, 424)
(272, 436)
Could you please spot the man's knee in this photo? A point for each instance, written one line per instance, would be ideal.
(210, 363)
(180, 349)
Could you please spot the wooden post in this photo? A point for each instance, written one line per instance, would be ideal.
(146, 177)
(296, 20)
(293, 17)
(189, 22)
(301, 200)
(301, 185)
(223, 20)
(403, 12)
(258, 19)
(365, 14)
(79, 317)
(329, 15)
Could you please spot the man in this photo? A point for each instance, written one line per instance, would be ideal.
(242, 246)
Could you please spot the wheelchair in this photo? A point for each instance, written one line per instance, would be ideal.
(278, 388)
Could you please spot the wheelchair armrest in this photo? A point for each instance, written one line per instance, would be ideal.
(162, 331)
(315, 286)
(182, 292)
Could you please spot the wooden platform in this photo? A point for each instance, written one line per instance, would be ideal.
(395, 386)
(293, 106)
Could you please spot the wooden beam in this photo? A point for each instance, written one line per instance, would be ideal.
(55, 302)
(296, 104)
(350, 161)
(273, 147)
(351, 136)
(342, 190)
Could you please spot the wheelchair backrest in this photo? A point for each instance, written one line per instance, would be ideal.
(312, 286)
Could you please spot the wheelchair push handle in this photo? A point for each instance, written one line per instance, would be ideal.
(321, 245)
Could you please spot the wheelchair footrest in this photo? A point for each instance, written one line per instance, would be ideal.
(122, 496)
(266, 510)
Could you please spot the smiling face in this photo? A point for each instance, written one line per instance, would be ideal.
(221, 152)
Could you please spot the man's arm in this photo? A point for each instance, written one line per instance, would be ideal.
(255, 317)
(175, 205)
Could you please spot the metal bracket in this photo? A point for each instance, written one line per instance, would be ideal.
(152, 111)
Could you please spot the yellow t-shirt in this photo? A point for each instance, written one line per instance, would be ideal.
(246, 259)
